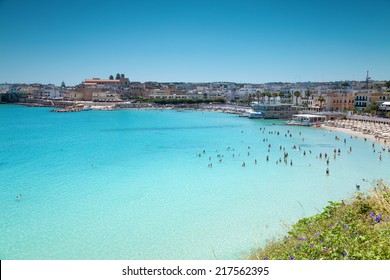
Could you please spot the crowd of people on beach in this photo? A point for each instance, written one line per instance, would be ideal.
(380, 131)
(286, 151)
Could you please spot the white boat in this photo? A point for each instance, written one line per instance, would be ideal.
(306, 120)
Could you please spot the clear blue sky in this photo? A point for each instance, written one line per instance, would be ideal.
(194, 40)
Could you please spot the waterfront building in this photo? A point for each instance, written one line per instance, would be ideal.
(136, 89)
(275, 111)
(78, 94)
(306, 120)
(105, 96)
(365, 98)
(340, 101)
(384, 109)
(167, 94)
(123, 81)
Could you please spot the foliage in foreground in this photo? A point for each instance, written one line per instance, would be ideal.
(357, 229)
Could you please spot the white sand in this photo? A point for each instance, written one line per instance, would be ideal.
(354, 133)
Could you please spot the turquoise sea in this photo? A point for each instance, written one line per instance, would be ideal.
(136, 184)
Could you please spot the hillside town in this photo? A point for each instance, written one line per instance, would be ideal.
(359, 97)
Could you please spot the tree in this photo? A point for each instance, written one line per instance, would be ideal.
(263, 94)
(118, 76)
(289, 95)
(269, 96)
(281, 95)
(63, 84)
(307, 95)
(388, 114)
(321, 99)
(274, 95)
(258, 96)
(297, 94)
(372, 108)
(387, 84)
(111, 77)
(250, 99)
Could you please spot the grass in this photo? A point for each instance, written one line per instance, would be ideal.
(355, 229)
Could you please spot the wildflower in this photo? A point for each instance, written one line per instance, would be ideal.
(291, 257)
(311, 245)
(387, 218)
(346, 227)
(317, 234)
(372, 215)
(378, 218)
(265, 258)
(298, 246)
(331, 225)
(302, 239)
(345, 254)
(325, 249)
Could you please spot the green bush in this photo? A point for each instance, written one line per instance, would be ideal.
(356, 229)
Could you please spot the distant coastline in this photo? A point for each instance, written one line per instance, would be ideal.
(76, 106)
(68, 106)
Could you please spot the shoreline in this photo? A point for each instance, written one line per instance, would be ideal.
(220, 108)
(358, 134)
(350, 132)
(87, 106)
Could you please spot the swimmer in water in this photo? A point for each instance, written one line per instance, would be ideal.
(19, 197)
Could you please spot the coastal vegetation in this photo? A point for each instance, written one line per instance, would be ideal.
(354, 229)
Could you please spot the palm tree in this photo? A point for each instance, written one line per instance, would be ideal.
(258, 96)
(297, 94)
(289, 95)
(250, 98)
(274, 95)
(264, 94)
(321, 99)
(269, 96)
(281, 95)
(307, 95)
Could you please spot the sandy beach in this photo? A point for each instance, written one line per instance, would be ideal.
(356, 133)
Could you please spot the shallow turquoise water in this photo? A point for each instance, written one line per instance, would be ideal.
(131, 184)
